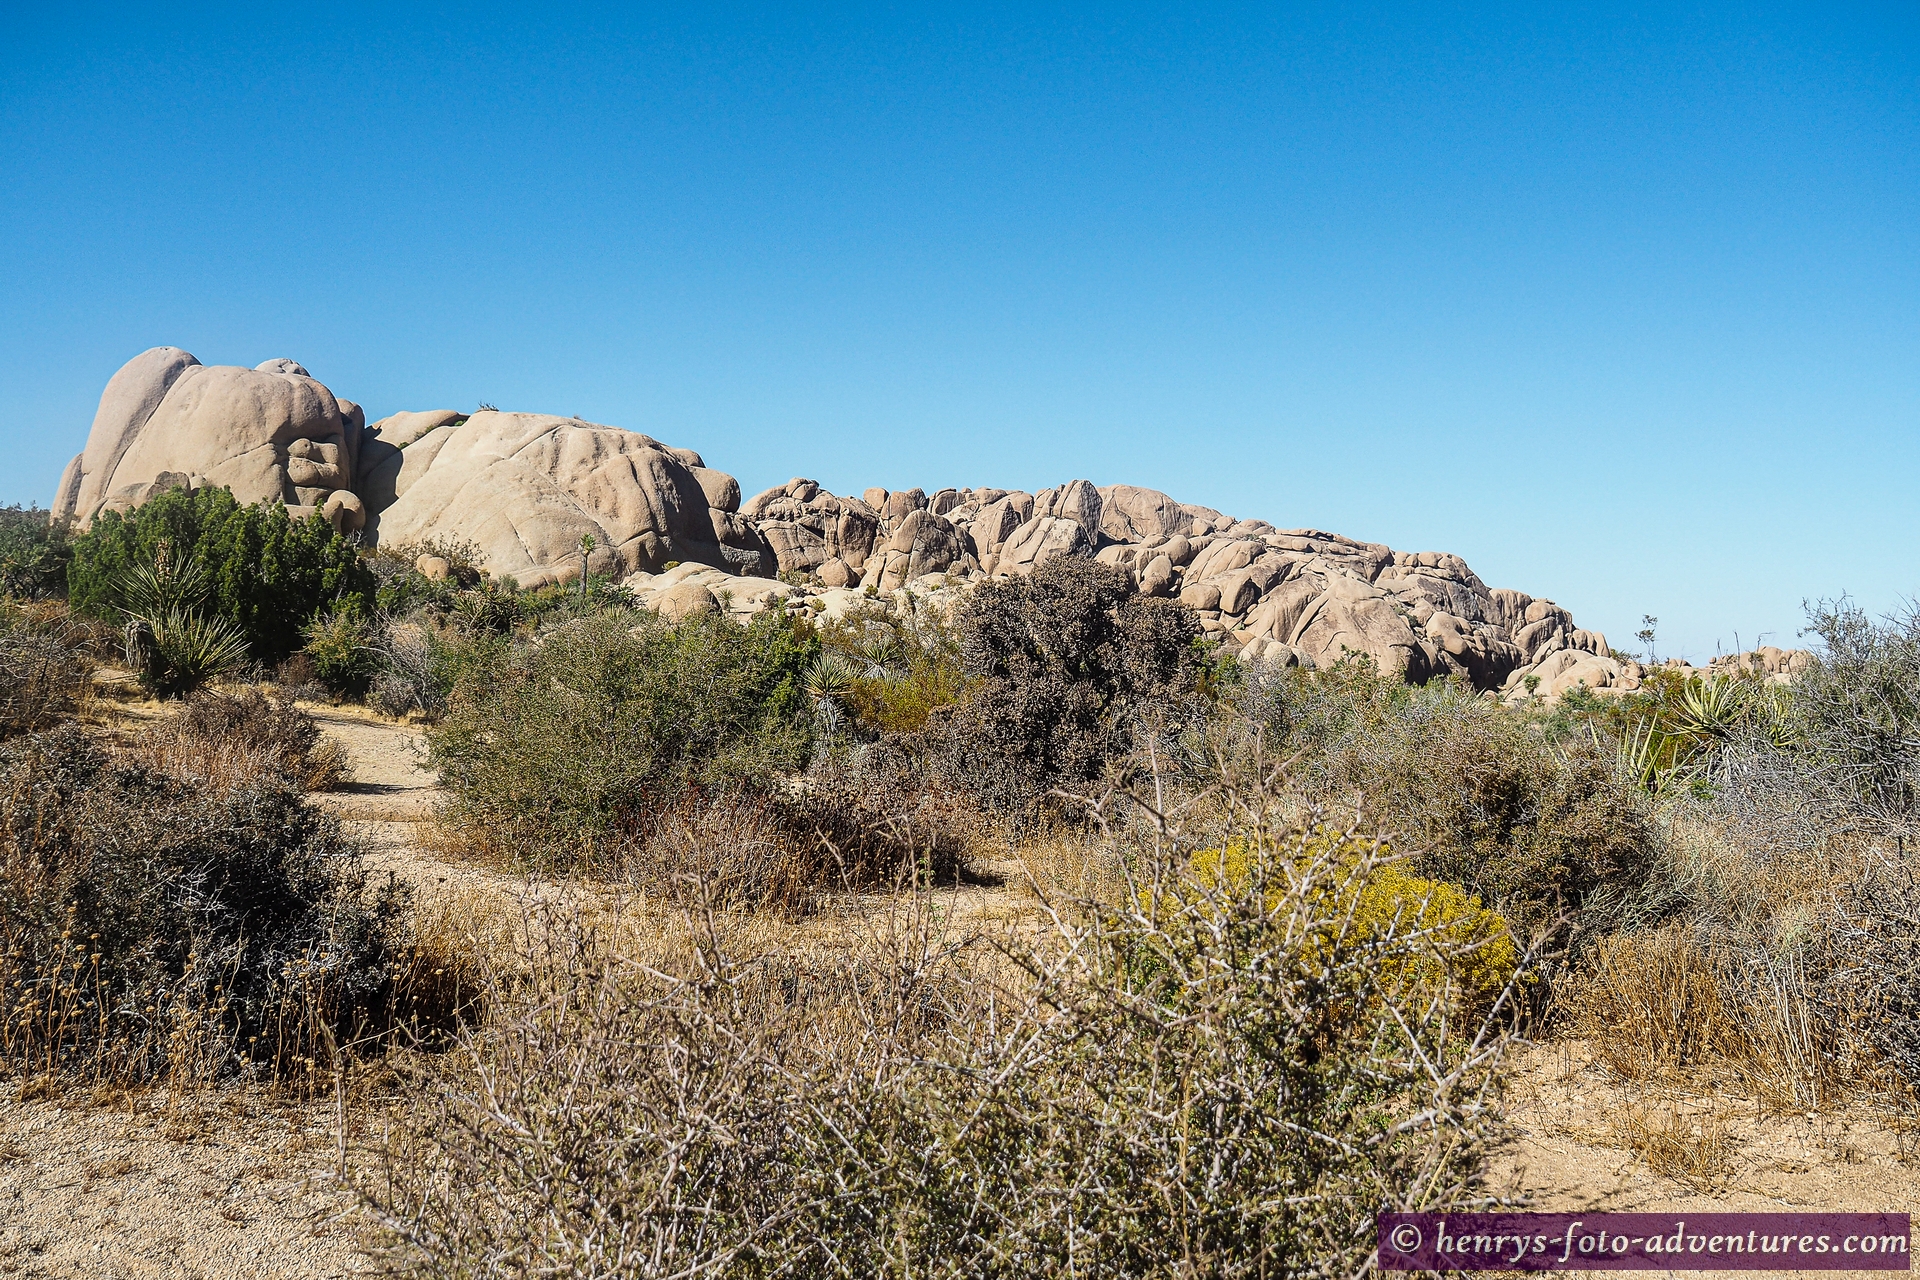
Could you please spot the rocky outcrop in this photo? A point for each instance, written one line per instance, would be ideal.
(805, 526)
(268, 434)
(527, 489)
(1287, 597)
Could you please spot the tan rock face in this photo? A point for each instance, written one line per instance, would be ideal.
(805, 526)
(923, 543)
(684, 600)
(528, 487)
(271, 433)
(1129, 513)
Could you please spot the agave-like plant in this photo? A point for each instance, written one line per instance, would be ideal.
(1712, 709)
(1650, 758)
(828, 679)
(830, 675)
(878, 653)
(171, 646)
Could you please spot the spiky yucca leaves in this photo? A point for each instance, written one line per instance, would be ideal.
(172, 646)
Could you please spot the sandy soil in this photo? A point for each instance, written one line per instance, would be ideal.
(240, 1185)
(1572, 1128)
(229, 1185)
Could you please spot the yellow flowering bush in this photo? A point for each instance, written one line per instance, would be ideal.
(1468, 943)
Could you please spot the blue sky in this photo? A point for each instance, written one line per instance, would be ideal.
(1620, 307)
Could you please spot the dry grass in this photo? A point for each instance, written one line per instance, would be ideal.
(1691, 1145)
(1673, 1005)
(230, 741)
(1650, 1003)
(1065, 863)
(226, 764)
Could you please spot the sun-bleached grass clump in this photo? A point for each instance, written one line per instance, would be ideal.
(240, 739)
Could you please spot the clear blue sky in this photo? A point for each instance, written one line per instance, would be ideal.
(1620, 308)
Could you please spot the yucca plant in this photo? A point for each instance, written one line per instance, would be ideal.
(171, 646)
(828, 679)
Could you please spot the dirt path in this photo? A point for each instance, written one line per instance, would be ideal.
(1573, 1130)
(229, 1186)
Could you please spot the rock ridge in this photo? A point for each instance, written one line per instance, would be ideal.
(528, 488)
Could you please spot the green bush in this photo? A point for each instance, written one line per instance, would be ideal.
(901, 667)
(1859, 704)
(266, 573)
(151, 927)
(34, 551)
(1066, 667)
(422, 660)
(1477, 796)
(555, 746)
(340, 645)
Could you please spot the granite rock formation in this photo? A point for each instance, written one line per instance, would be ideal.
(528, 489)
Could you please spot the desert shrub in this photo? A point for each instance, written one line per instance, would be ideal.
(1480, 949)
(266, 573)
(153, 928)
(341, 647)
(843, 827)
(1227, 1080)
(34, 551)
(552, 746)
(900, 667)
(1689, 1001)
(1859, 703)
(45, 667)
(1066, 667)
(1871, 987)
(422, 661)
(1779, 938)
(1480, 801)
(238, 740)
(491, 608)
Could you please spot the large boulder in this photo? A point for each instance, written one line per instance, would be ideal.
(1040, 540)
(1354, 616)
(528, 487)
(1129, 513)
(272, 433)
(805, 526)
(1077, 501)
(923, 543)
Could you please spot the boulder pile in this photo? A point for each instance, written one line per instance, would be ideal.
(528, 489)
